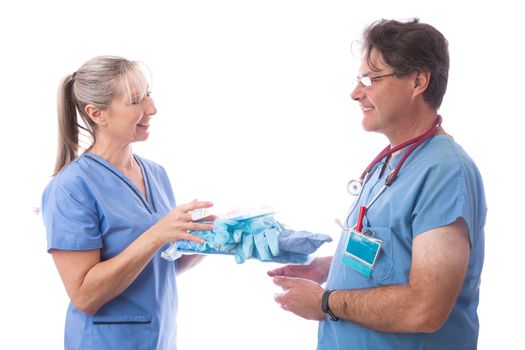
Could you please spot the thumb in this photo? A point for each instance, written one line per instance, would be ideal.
(283, 282)
(275, 272)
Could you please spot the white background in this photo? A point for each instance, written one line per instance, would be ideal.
(253, 108)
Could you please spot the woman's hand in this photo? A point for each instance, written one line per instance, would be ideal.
(176, 224)
(91, 282)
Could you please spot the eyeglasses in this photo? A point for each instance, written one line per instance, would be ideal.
(367, 81)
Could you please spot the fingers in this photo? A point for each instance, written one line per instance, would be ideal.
(197, 226)
(278, 298)
(193, 238)
(185, 211)
(195, 204)
(276, 272)
(209, 218)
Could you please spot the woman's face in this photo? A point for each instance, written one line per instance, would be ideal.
(127, 119)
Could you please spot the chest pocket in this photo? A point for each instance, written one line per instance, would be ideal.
(385, 260)
(122, 332)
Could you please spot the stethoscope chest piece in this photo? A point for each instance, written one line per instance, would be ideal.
(354, 187)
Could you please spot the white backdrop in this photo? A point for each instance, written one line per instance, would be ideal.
(253, 108)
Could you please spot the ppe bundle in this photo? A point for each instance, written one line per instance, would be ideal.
(262, 238)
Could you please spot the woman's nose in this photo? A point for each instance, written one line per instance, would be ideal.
(150, 106)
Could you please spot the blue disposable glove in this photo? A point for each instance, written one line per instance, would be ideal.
(265, 231)
(244, 249)
(266, 244)
(257, 239)
(223, 239)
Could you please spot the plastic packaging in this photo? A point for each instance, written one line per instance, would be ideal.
(251, 234)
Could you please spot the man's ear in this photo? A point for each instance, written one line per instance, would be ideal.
(96, 114)
(421, 81)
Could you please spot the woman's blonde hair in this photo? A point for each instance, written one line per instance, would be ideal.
(98, 82)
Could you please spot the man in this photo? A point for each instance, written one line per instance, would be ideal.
(406, 272)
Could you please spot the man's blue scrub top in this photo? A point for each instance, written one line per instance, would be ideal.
(437, 184)
(92, 205)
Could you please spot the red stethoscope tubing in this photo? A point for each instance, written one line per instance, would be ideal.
(415, 142)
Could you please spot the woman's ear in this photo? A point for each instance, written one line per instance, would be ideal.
(96, 114)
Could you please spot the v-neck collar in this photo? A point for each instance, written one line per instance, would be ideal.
(148, 202)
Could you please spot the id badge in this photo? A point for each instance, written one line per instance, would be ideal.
(361, 252)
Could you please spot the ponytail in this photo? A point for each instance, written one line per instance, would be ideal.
(68, 128)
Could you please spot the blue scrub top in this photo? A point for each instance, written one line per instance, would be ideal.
(437, 184)
(92, 205)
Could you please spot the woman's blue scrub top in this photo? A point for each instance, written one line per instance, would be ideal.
(437, 184)
(92, 205)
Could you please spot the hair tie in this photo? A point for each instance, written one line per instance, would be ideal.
(73, 76)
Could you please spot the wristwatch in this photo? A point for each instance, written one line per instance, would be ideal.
(326, 307)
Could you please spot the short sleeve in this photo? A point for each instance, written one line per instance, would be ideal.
(442, 199)
(452, 189)
(70, 216)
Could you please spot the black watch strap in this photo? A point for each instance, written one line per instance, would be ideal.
(326, 307)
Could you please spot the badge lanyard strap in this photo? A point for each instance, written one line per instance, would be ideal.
(415, 143)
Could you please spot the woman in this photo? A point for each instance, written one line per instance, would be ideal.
(108, 214)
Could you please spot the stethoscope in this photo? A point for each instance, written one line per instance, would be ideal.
(355, 186)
